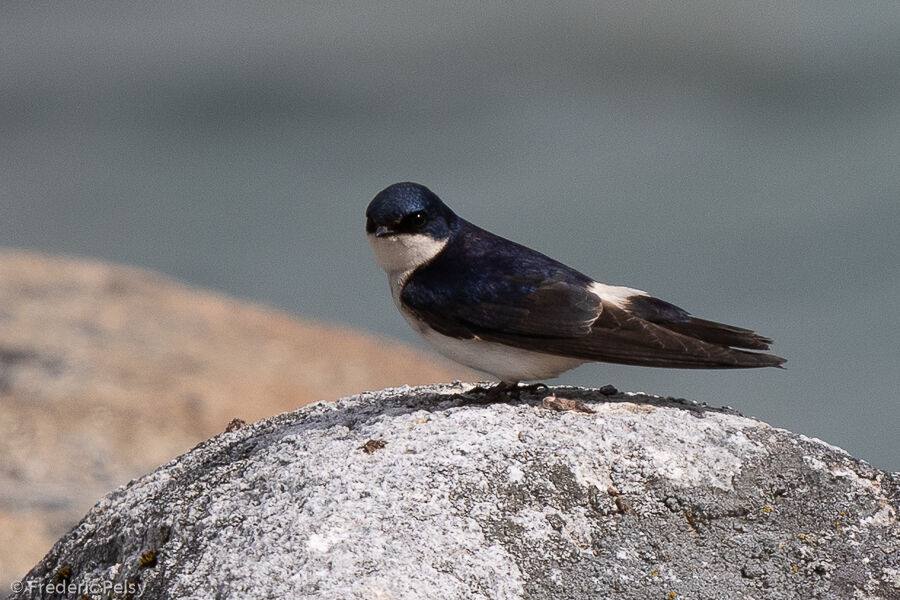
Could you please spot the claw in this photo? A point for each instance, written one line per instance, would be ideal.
(509, 390)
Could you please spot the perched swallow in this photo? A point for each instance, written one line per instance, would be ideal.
(507, 310)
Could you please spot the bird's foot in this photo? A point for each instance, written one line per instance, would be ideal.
(495, 394)
(506, 391)
(531, 388)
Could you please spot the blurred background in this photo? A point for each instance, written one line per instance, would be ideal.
(736, 159)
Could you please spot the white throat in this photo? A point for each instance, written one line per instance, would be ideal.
(405, 252)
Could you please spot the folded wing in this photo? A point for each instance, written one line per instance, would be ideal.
(560, 314)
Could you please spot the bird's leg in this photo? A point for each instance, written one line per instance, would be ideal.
(502, 392)
(508, 390)
(531, 387)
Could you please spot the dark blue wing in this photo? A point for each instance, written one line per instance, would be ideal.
(482, 283)
(485, 286)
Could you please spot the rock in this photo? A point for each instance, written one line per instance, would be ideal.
(107, 372)
(643, 498)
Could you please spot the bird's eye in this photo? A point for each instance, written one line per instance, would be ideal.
(417, 220)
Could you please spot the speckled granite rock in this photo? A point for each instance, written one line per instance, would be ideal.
(423, 493)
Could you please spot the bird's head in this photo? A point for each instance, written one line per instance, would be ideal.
(407, 225)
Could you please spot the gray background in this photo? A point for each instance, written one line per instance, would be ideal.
(737, 159)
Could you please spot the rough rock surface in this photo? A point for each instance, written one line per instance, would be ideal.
(106, 372)
(424, 493)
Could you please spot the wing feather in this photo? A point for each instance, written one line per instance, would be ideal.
(619, 337)
(520, 305)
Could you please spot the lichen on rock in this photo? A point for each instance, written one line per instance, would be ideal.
(645, 497)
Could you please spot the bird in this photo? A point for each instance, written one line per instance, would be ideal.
(518, 315)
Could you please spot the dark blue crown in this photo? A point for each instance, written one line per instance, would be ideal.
(409, 208)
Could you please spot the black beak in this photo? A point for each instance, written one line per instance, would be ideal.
(377, 230)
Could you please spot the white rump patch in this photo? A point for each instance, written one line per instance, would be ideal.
(615, 294)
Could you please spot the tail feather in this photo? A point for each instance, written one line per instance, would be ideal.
(719, 333)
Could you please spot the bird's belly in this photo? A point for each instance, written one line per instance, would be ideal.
(506, 363)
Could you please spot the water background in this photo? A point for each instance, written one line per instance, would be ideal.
(737, 159)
